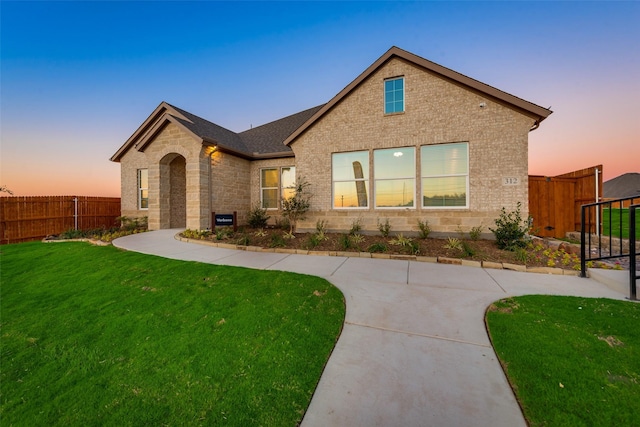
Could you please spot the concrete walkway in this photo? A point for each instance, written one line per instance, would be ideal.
(414, 350)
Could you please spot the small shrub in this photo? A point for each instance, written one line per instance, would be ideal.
(511, 231)
(277, 241)
(356, 226)
(257, 217)
(288, 235)
(244, 240)
(377, 248)
(313, 241)
(400, 240)
(425, 229)
(476, 232)
(384, 227)
(521, 255)
(467, 250)
(260, 233)
(357, 238)
(453, 243)
(72, 234)
(345, 242)
(321, 226)
(138, 223)
(413, 248)
(223, 233)
(321, 229)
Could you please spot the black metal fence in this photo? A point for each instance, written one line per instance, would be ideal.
(615, 235)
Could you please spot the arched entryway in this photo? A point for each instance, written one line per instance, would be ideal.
(173, 191)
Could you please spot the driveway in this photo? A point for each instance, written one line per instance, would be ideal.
(414, 350)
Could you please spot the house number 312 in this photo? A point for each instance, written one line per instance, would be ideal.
(510, 180)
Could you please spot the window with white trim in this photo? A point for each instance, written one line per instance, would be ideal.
(143, 188)
(350, 179)
(269, 188)
(276, 184)
(445, 175)
(394, 95)
(394, 172)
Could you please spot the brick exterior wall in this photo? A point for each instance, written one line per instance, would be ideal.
(231, 185)
(436, 111)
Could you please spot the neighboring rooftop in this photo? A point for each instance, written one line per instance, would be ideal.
(626, 185)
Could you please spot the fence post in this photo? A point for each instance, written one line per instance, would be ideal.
(75, 213)
(632, 252)
(583, 252)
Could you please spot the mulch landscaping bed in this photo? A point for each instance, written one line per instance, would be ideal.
(473, 250)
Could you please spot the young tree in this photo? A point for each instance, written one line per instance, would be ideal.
(295, 207)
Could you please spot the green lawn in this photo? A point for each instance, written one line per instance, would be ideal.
(571, 361)
(97, 336)
(619, 217)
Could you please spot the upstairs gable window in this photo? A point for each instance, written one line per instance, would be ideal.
(394, 95)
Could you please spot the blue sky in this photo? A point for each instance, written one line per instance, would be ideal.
(78, 78)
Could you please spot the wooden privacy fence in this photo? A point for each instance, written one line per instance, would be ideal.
(555, 202)
(32, 218)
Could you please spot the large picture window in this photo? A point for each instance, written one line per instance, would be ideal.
(394, 95)
(276, 183)
(394, 172)
(445, 175)
(350, 176)
(143, 188)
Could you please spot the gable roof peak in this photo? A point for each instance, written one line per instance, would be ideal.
(537, 112)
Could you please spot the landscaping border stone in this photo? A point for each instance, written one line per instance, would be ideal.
(375, 255)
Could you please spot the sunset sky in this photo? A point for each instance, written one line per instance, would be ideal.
(78, 78)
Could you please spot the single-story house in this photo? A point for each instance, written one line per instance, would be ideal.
(407, 140)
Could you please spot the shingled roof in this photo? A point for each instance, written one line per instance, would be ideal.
(626, 185)
(265, 141)
(269, 138)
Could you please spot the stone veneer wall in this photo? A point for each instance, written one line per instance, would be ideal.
(129, 165)
(172, 141)
(436, 111)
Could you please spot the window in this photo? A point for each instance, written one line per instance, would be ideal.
(269, 188)
(350, 176)
(445, 175)
(288, 181)
(394, 172)
(276, 183)
(143, 189)
(394, 95)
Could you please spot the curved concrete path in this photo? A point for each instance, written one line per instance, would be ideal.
(414, 350)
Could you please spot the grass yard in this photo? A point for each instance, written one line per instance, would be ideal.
(571, 361)
(619, 217)
(95, 336)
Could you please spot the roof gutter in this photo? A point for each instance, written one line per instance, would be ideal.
(535, 126)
